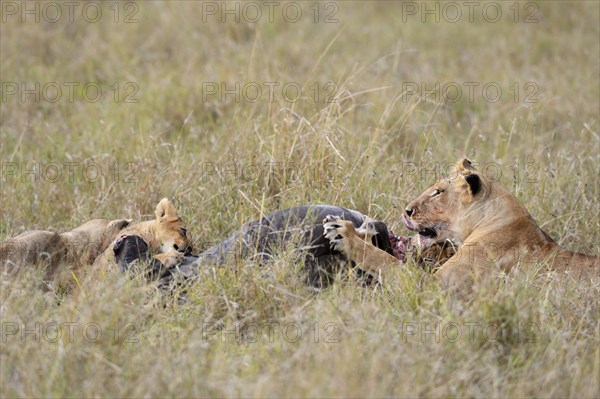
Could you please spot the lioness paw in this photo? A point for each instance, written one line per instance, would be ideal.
(171, 258)
(335, 231)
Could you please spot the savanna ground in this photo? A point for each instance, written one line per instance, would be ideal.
(357, 142)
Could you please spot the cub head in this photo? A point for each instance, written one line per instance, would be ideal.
(170, 230)
(439, 212)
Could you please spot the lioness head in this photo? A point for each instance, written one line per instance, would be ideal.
(437, 214)
(170, 230)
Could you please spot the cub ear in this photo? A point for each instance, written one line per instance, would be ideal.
(464, 166)
(470, 186)
(165, 211)
(120, 224)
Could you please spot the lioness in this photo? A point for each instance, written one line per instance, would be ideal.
(166, 234)
(488, 224)
(50, 249)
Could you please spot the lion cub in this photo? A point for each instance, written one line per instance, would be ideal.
(50, 249)
(166, 234)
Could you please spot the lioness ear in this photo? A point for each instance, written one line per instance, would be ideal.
(470, 185)
(474, 183)
(120, 224)
(464, 167)
(165, 211)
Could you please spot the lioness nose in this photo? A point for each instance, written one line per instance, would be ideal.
(409, 211)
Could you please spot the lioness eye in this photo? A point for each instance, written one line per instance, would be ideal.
(437, 192)
(183, 232)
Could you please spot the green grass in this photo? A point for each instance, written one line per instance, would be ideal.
(543, 337)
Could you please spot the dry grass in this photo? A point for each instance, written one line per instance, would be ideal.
(357, 152)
